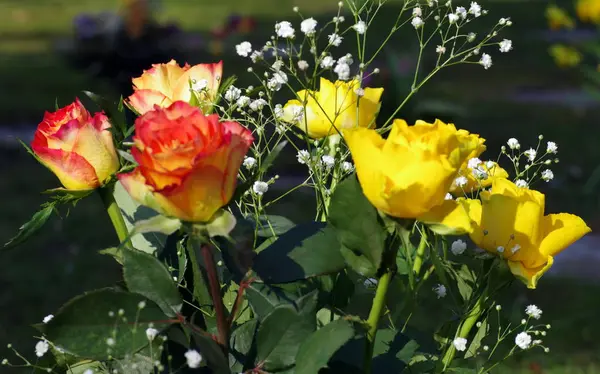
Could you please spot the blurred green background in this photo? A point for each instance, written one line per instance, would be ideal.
(508, 100)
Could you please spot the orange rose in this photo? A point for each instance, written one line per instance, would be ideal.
(77, 147)
(188, 162)
(164, 84)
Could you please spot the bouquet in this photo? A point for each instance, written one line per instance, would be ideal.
(215, 282)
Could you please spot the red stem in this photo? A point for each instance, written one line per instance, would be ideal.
(215, 294)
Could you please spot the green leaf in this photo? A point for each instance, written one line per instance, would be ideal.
(303, 252)
(229, 298)
(28, 229)
(482, 332)
(243, 345)
(358, 226)
(465, 280)
(264, 298)
(82, 326)
(280, 335)
(213, 353)
(81, 367)
(271, 156)
(269, 226)
(116, 116)
(127, 156)
(146, 275)
(158, 223)
(315, 352)
(201, 292)
(63, 195)
(138, 364)
(133, 212)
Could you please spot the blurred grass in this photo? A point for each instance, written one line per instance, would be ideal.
(61, 262)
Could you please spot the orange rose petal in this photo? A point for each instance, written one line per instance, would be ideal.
(73, 171)
(144, 100)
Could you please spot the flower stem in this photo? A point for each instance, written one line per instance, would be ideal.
(420, 253)
(114, 212)
(465, 328)
(215, 294)
(375, 315)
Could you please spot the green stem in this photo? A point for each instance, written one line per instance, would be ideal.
(465, 328)
(420, 253)
(375, 314)
(114, 212)
(215, 293)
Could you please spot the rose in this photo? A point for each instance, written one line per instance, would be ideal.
(482, 176)
(510, 221)
(409, 174)
(77, 147)
(336, 106)
(588, 11)
(163, 84)
(188, 162)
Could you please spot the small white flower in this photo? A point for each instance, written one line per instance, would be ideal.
(502, 21)
(302, 65)
(486, 61)
(547, 175)
(473, 163)
(523, 340)
(48, 318)
(551, 147)
(480, 173)
(513, 143)
(260, 187)
(490, 164)
(199, 85)
(461, 181)
(308, 26)
(284, 29)
(452, 18)
(244, 49)
(346, 59)
(460, 344)
(531, 154)
(335, 39)
(471, 36)
(258, 104)
(449, 196)
(242, 101)
(533, 311)
(360, 92)
(514, 249)
(360, 27)
(256, 55)
(277, 65)
(522, 183)
(151, 333)
(327, 62)
(41, 348)
(110, 342)
(440, 49)
(328, 161)
(343, 71)
(280, 77)
(303, 156)
(296, 112)
(458, 247)
(500, 249)
(417, 12)
(475, 9)
(88, 371)
(193, 358)
(417, 22)
(440, 290)
(232, 93)
(347, 167)
(505, 45)
(278, 111)
(249, 162)
(461, 11)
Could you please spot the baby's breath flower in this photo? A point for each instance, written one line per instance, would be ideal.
(284, 29)
(458, 247)
(242, 101)
(360, 92)
(151, 333)
(523, 340)
(347, 167)
(303, 156)
(110, 342)
(335, 39)
(514, 249)
(327, 62)
(440, 290)
(500, 249)
(522, 183)
(547, 175)
(417, 12)
(308, 26)
(486, 61)
(449, 196)
(48, 318)
(505, 45)
(530, 154)
(260, 187)
(440, 49)
(461, 12)
(551, 147)
(461, 181)
(41, 348)
(232, 93)
(277, 65)
(256, 55)
(473, 163)
(244, 49)
(193, 358)
(249, 162)
(513, 143)
(360, 27)
(302, 65)
(471, 36)
(417, 22)
(258, 104)
(452, 18)
(475, 9)
(533, 311)
(328, 161)
(342, 70)
(460, 344)
(199, 85)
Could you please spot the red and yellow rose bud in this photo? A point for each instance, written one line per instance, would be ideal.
(188, 162)
(409, 174)
(76, 146)
(510, 221)
(164, 84)
(336, 106)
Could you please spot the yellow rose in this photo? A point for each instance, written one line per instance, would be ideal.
(409, 174)
(588, 11)
(558, 18)
(565, 56)
(510, 220)
(475, 177)
(334, 107)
